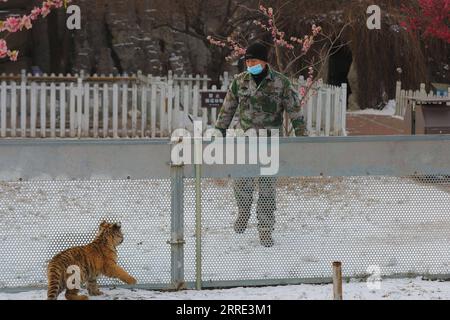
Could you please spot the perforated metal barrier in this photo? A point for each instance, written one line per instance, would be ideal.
(41, 219)
(387, 209)
(394, 226)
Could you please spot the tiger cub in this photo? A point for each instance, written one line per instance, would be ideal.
(95, 259)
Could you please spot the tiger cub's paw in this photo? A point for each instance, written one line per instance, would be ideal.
(131, 281)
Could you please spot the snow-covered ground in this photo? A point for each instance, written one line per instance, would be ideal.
(402, 289)
(388, 110)
(399, 225)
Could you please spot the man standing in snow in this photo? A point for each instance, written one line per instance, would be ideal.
(261, 95)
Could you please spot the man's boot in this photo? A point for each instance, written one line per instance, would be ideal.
(265, 236)
(241, 223)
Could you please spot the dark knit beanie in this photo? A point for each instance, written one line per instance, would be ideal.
(257, 51)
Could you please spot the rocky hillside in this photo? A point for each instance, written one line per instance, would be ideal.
(116, 36)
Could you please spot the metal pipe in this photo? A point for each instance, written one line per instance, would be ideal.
(177, 227)
(198, 227)
(198, 157)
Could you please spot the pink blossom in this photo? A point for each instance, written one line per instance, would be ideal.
(13, 55)
(3, 48)
(12, 24)
(15, 24)
(26, 22)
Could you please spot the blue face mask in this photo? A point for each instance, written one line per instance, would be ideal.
(255, 70)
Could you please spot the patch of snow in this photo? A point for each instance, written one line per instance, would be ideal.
(388, 110)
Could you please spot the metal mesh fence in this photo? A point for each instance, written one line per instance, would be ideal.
(399, 225)
(40, 219)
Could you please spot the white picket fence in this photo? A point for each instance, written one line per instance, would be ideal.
(402, 96)
(130, 107)
(326, 110)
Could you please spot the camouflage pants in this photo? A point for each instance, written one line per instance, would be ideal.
(265, 210)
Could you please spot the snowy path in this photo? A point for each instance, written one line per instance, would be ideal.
(403, 289)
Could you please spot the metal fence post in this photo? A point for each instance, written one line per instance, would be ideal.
(177, 226)
(198, 147)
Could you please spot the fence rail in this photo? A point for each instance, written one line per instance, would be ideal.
(374, 209)
(132, 107)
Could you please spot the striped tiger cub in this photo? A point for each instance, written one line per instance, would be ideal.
(91, 261)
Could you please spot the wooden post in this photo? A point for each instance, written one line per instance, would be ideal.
(337, 281)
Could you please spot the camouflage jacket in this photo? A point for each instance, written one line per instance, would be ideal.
(262, 107)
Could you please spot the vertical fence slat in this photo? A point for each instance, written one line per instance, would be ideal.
(195, 107)
(96, 110)
(105, 110)
(3, 109)
(86, 110)
(72, 92)
(79, 122)
(43, 110)
(398, 90)
(23, 108)
(309, 112)
(33, 110)
(190, 95)
(144, 111)
(13, 109)
(344, 108)
(153, 111)
(403, 102)
(177, 107)
(162, 110)
(62, 110)
(125, 110)
(337, 118)
(134, 110)
(328, 112)
(319, 112)
(169, 106)
(185, 106)
(115, 121)
(53, 110)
